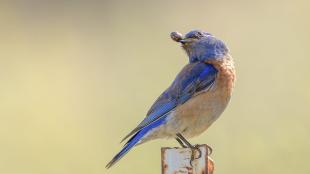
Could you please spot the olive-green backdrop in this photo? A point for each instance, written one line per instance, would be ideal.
(76, 76)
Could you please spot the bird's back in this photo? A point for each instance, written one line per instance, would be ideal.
(196, 115)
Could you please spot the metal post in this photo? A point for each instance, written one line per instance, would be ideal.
(177, 161)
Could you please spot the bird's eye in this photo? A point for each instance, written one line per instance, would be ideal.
(197, 35)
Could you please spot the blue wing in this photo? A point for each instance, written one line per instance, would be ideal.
(134, 140)
(193, 78)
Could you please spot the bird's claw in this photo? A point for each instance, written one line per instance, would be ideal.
(196, 147)
(210, 150)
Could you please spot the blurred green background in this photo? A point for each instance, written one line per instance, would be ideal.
(76, 76)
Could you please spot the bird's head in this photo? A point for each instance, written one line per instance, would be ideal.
(201, 46)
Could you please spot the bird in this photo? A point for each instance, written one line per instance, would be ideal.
(196, 98)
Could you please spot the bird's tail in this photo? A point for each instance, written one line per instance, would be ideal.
(134, 140)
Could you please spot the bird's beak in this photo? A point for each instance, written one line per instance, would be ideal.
(176, 36)
(183, 41)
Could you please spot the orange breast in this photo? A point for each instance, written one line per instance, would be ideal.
(201, 111)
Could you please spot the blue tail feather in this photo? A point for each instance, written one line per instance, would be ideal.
(134, 140)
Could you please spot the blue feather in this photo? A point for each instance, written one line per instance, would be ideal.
(135, 139)
(193, 78)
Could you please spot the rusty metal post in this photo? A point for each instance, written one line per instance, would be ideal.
(177, 161)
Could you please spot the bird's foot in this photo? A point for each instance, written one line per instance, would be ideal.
(193, 156)
(210, 150)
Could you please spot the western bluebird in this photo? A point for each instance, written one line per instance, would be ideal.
(195, 99)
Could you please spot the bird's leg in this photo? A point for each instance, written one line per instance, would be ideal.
(180, 142)
(193, 148)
